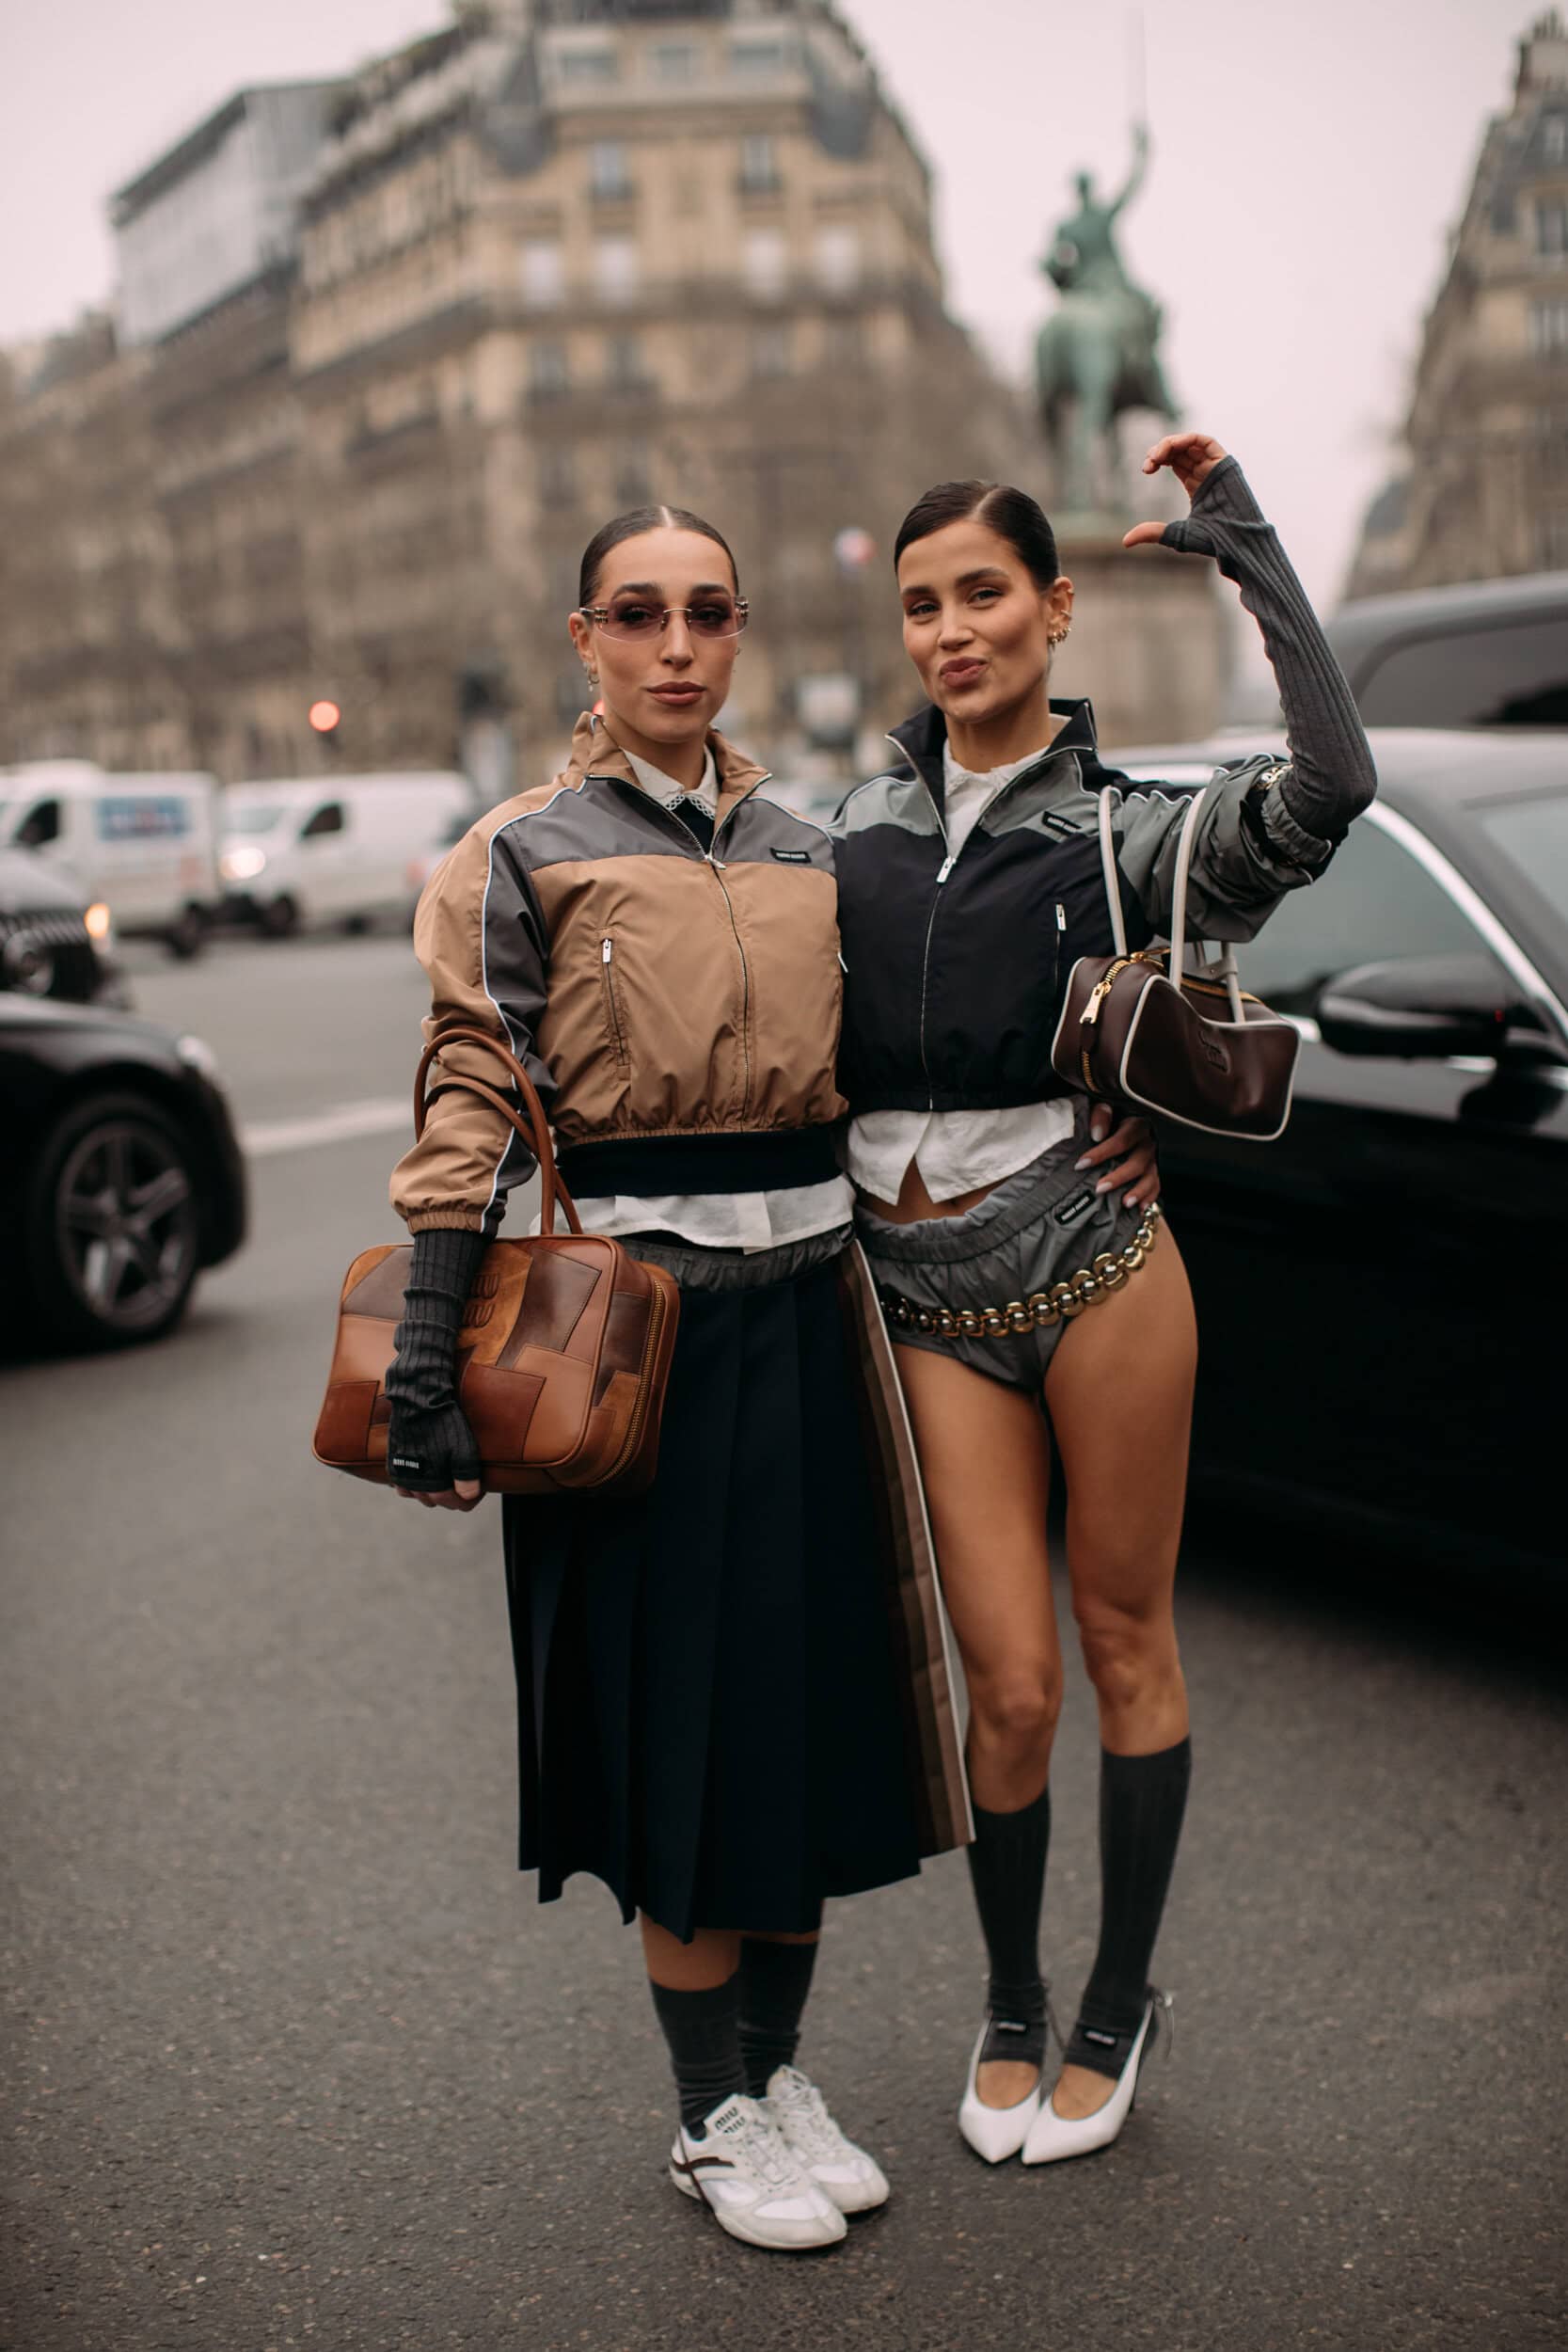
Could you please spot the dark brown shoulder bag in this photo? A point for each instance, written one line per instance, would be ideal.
(1139, 1030)
(563, 1357)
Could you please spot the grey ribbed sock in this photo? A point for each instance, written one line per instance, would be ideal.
(775, 1980)
(702, 2032)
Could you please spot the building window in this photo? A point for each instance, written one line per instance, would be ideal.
(615, 267)
(583, 68)
(633, 475)
(838, 258)
(558, 480)
(1549, 330)
(758, 60)
(771, 351)
(764, 261)
(844, 343)
(1552, 541)
(611, 180)
(624, 369)
(672, 61)
(1551, 231)
(1555, 137)
(759, 165)
(549, 374)
(544, 274)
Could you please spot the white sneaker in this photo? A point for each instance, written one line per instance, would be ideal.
(751, 2182)
(846, 2173)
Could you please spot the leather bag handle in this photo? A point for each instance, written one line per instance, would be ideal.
(1113, 879)
(534, 1130)
(1226, 969)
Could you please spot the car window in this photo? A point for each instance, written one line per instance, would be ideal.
(1512, 676)
(255, 816)
(326, 820)
(41, 824)
(1373, 904)
(1533, 835)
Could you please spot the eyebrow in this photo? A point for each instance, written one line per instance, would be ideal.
(652, 588)
(965, 580)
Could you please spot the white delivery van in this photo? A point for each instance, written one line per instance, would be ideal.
(335, 848)
(144, 845)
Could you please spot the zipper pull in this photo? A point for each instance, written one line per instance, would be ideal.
(607, 950)
(945, 869)
(1061, 916)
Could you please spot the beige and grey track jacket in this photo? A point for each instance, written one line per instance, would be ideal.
(665, 1000)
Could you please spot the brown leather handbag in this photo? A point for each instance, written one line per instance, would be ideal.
(1141, 1030)
(563, 1355)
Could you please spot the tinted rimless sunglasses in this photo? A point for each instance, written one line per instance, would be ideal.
(637, 617)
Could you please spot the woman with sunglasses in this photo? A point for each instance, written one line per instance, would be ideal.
(1018, 1285)
(720, 1715)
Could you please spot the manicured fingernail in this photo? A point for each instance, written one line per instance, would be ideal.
(1104, 1184)
(1132, 1202)
(1077, 1164)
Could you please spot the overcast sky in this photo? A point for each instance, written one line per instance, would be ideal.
(1308, 163)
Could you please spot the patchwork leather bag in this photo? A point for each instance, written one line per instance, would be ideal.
(563, 1355)
(1142, 1031)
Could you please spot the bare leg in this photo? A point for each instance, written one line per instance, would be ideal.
(985, 1463)
(711, 1958)
(1119, 1393)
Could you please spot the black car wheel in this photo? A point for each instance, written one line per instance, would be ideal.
(189, 934)
(279, 918)
(114, 1224)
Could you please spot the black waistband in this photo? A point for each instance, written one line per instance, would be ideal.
(720, 1163)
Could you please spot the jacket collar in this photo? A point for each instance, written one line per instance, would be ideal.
(595, 752)
(923, 739)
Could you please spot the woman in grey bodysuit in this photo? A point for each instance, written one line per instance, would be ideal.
(970, 880)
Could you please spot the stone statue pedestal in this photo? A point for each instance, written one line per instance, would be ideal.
(1152, 644)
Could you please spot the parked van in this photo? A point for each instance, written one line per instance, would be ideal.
(1489, 653)
(146, 845)
(335, 848)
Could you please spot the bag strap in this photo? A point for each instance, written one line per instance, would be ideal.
(534, 1130)
(1113, 879)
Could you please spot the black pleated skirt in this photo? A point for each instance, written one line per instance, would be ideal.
(708, 1711)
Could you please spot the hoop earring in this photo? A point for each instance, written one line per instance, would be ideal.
(1059, 636)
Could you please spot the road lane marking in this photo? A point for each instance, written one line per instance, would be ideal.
(381, 1117)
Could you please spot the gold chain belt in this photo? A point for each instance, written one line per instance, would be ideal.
(1041, 1310)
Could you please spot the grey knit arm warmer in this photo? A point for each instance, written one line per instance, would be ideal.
(429, 1442)
(1332, 777)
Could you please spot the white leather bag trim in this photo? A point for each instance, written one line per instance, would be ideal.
(1163, 1110)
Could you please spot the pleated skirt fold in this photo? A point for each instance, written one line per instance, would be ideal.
(711, 1710)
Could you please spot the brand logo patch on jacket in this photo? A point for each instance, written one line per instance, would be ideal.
(793, 857)
(1075, 1208)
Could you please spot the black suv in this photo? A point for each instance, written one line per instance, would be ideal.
(52, 943)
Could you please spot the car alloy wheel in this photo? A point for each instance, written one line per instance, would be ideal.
(122, 1224)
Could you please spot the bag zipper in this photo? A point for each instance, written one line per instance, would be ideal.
(607, 956)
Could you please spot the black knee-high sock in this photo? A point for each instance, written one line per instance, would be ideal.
(1006, 1867)
(1142, 1802)
(702, 2031)
(775, 1980)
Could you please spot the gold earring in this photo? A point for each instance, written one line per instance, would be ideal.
(1060, 636)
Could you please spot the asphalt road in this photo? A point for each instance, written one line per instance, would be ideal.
(293, 2056)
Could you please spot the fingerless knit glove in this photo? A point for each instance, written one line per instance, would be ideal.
(429, 1443)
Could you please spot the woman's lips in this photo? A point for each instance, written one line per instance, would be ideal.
(960, 672)
(678, 697)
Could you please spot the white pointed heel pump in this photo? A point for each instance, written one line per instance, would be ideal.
(994, 2133)
(1051, 2137)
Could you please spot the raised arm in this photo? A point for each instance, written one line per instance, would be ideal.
(1135, 177)
(1275, 824)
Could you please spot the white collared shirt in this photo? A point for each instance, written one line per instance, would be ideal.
(717, 1220)
(957, 1152)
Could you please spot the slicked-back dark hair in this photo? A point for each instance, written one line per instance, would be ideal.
(632, 525)
(1012, 514)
